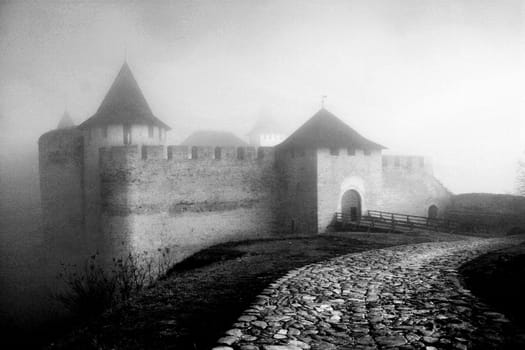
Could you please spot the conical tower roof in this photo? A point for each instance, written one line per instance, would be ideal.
(326, 130)
(66, 122)
(124, 104)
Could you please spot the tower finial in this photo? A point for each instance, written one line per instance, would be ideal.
(323, 98)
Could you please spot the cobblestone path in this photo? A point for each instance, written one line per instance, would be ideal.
(406, 297)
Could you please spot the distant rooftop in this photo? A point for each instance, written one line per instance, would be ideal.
(326, 130)
(213, 138)
(124, 104)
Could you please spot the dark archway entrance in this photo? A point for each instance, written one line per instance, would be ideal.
(432, 212)
(351, 205)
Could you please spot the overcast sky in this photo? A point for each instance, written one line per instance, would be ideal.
(444, 79)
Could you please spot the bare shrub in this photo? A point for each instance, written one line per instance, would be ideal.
(96, 287)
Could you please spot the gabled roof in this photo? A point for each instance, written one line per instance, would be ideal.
(213, 138)
(326, 130)
(65, 122)
(124, 104)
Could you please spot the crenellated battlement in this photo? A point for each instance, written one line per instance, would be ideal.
(405, 163)
(180, 153)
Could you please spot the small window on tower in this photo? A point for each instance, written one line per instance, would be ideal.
(105, 131)
(150, 131)
(217, 153)
(367, 152)
(334, 151)
(350, 151)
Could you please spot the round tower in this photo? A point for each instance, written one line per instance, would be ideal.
(124, 119)
(61, 181)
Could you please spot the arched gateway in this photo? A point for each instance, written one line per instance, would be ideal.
(432, 212)
(351, 205)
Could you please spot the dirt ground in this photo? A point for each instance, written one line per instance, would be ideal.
(203, 295)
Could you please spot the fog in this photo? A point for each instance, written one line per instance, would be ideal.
(443, 79)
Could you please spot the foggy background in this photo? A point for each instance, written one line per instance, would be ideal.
(444, 79)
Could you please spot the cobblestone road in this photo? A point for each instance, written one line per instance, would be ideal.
(406, 297)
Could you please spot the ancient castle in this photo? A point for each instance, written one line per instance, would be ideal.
(112, 184)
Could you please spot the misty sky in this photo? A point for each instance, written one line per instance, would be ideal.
(444, 79)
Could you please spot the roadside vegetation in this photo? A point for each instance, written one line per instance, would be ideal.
(97, 286)
(201, 297)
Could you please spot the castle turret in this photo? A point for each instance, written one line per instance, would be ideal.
(327, 167)
(61, 159)
(124, 119)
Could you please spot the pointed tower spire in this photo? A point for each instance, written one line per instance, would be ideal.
(124, 104)
(66, 122)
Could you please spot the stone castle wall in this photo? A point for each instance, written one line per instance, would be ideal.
(496, 212)
(143, 198)
(94, 140)
(187, 200)
(297, 195)
(344, 171)
(61, 166)
(409, 187)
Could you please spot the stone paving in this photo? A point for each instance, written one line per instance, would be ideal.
(405, 297)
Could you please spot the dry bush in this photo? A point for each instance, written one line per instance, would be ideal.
(94, 288)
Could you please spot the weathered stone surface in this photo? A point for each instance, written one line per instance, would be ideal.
(280, 347)
(228, 340)
(406, 297)
(235, 332)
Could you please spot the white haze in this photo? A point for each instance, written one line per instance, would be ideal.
(444, 79)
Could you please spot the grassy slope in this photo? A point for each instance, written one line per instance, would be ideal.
(499, 278)
(202, 296)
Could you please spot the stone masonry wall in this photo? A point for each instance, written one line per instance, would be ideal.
(95, 139)
(61, 181)
(149, 202)
(409, 187)
(297, 195)
(338, 173)
(497, 212)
